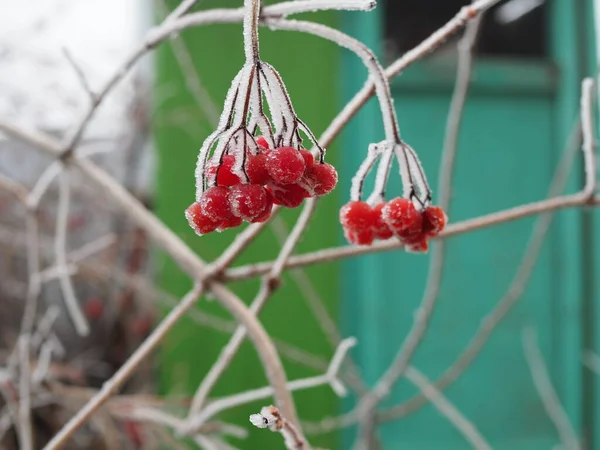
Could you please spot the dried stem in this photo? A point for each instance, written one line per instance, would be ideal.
(251, 15)
(25, 394)
(548, 395)
(62, 219)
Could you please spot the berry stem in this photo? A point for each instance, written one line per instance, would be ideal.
(251, 15)
(382, 87)
(381, 179)
(359, 179)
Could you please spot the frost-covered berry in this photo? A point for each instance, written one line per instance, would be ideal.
(200, 222)
(357, 216)
(323, 178)
(418, 246)
(290, 195)
(434, 220)
(256, 169)
(309, 159)
(248, 200)
(232, 222)
(402, 217)
(266, 213)
(381, 230)
(215, 203)
(262, 142)
(225, 175)
(363, 237)
(285, 165)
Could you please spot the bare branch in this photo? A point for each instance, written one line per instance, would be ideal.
(589, 136)
(548, 395)
(447, 409)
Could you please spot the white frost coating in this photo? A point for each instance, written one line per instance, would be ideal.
(417, 173)
(256, 107)
(383, 173)
(382, 88)
(280, 102)
(402, 158)
(359, 178)
(299, 6)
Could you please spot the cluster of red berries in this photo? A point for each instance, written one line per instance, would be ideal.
(364, 223)
(281, 176)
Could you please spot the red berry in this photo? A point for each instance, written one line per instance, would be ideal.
(94, 308)
(290, 196)
(215, 203)
(402, 217)
(357, 216)
(248, 200)
(309, 160)
(434, 220)
(225, 176)
(323, 178)
(134, 432)
(200, 223)
(256, 169)
(266, 213)
(262, 142)
(418, 246)
(381, 230)
(285, 165)
(363, 237)
(230, 223)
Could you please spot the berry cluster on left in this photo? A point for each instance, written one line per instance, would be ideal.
(281, 176)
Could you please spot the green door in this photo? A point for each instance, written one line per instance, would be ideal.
(516, 123)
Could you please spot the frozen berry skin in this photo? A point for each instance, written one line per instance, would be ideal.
(419, 246)
(363, 237)
(381, 230)
(290, 196)
(285, 165)
(256, 169)
(266, 213)
(434, 220)
(262, 142)
(309, 160)
(357, 216)
(232, 222)
(215, 203)
(225, 176)
(200, 222)
(248, 200)
(402, 217)
(323, 178)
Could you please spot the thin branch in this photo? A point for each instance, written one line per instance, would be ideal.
(447, 409)
(589, 136)
(183, 8)
(62, 215)
(25, 394)
(548, 395)
(80, 75)
(270, 417)
(331, 377)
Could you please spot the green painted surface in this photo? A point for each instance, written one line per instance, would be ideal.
(309, 67)
(516, 123)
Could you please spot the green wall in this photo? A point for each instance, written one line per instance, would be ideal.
(309, 67)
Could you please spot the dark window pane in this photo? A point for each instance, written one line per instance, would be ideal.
(513, 28)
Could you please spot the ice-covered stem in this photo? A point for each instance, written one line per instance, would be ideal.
(589, 136)
(251, 15)
(376, 71)
(331, 377)
(270, 417)
(359, 178)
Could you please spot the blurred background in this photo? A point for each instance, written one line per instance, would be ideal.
(530, 58)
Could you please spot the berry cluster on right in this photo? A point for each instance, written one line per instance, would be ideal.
(398, 217)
